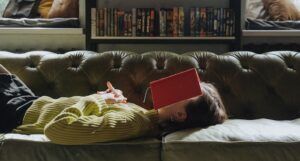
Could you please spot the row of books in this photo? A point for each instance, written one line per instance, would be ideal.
(212, 22)
(171, 22)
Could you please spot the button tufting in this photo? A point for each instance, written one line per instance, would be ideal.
(116, 65)
(160, 65)
(75, 65)
(289, 63)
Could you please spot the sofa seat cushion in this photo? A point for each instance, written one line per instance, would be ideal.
(18, 147)
(243, 140)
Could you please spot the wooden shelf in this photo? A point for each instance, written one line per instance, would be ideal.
(186, 39)
(271, 33)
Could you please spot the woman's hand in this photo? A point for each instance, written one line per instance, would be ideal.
(112, 95)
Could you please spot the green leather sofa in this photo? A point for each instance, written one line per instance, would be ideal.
(260, 91)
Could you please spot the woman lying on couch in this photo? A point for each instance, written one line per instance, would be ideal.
(101, 117)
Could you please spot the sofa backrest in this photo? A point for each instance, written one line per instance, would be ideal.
(251, 85)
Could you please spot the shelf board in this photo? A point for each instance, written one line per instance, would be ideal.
(271, 33)
(41, 31)
(186, 39)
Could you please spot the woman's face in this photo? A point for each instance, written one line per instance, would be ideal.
(177, 111)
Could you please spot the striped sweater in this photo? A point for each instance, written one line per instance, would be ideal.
(83, 120)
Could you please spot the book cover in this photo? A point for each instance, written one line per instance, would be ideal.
(175, 88)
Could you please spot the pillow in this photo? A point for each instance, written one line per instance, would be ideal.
(44, 8)
(281, 10)
(254, 9)
(64, 9)
(21, 9)
(3, 4)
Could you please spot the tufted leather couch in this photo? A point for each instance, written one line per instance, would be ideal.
(260, 91)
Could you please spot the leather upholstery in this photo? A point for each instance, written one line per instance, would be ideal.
(252, 85)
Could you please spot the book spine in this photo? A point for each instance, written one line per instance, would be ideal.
(198, 22)
(93, 22)
(133, 22)
(222, 22)
(162, 22)
(232, 22)
(120, 23)
(105, 21)
(109, 21)
(175, 21)
(101, 22)
(227, 23)
(169, 22)
(219, 22)
(129, 24)
(112, 22)
(203, 25)
(125, 24)
(181, 22)
(152, 21)
(215, 22)
(116, 21)
(139, 22)
(192, 21)
(210, 22)
(143, 32)
(148, 21)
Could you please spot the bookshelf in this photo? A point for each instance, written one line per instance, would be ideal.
(233, 41)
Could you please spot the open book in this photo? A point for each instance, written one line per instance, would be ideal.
(175, 88)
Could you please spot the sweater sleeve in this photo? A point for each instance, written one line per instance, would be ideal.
(84, 123)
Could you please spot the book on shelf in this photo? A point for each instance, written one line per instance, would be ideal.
(134, 21)
(93, 22)
(181, 21)
(162, 22)
(192, 21)
(170, 22)
(203, 22)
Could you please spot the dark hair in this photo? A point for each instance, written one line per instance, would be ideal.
(207, 110)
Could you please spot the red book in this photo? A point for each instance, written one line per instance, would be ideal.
(175, 88)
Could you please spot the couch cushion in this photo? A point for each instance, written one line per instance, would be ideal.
(243, 140)
(17, 147)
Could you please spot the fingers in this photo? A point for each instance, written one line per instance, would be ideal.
(109, 86)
